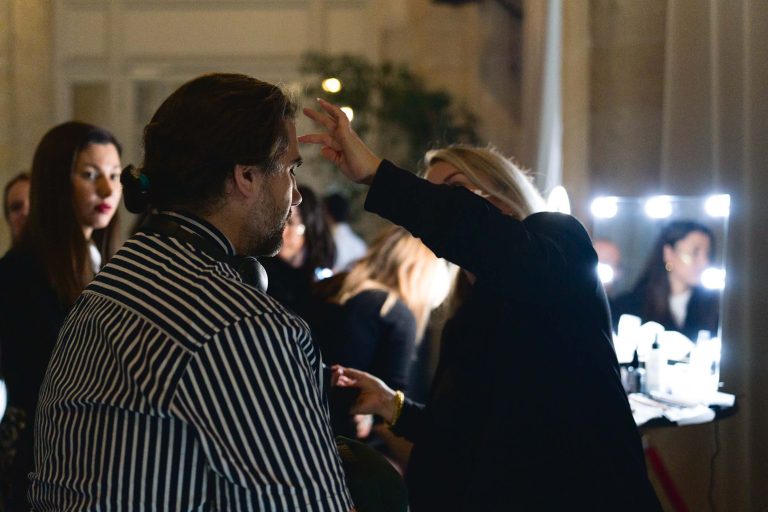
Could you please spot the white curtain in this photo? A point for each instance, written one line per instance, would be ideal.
(542, 108)
(715, 137)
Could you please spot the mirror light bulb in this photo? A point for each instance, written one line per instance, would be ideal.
(713, 278)
(605, 207)
(658, 207)
(558, 200)
(605, 273)
(718, 205)
(331, 85)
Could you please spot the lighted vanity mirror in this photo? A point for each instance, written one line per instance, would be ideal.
(662, 259)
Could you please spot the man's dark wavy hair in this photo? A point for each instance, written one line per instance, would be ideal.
(206, 127)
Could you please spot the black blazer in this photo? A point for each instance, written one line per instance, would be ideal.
(31, 316)
(527, 410)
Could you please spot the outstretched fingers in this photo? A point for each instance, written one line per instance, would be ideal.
(320, 138)
(334, 111)
(322, 119)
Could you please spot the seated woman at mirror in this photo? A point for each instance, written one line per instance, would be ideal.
(669, 290)
(70, 232)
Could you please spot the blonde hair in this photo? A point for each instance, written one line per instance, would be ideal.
(401, 265)
(494, 174)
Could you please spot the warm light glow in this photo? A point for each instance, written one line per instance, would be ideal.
(605, 207)
(718, 205)
(605, 273)
(349, 112)
(331, 85)
(442, 283)
(658, 207)
(713, 278)
(558, 200)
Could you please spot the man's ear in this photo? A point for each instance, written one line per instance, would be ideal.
(245, 179)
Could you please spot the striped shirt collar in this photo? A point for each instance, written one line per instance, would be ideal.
(202, 228)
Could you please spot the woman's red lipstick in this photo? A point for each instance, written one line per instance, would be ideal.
(103, 208)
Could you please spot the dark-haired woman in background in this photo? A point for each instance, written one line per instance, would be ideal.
(307, 253)
(669, 290)
(71, 230)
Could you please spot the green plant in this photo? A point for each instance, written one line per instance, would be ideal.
(409, 118)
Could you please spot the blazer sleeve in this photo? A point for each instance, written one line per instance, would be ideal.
(538, 256)
(411, 422)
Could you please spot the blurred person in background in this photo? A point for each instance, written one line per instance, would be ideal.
(71, 231)
(527, 409)
(349, 246)
(375, 314)
(16, 204)
(669, 290)
(305, 257)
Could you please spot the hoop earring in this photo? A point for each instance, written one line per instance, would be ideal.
(668, 266)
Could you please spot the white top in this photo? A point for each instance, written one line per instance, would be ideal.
(349, 247)
(678, 306)
(95, 257)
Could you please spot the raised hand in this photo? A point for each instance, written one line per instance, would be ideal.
(340, 143)
(375, 397)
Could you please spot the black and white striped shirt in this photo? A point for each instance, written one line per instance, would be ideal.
(176, 386)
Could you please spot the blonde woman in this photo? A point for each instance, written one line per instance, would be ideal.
(526, 411)
(373, 316)
(381, 307)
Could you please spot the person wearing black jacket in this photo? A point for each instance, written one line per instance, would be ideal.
(527, 410)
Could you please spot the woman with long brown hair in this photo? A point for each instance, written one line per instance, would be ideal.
(669, 289)
(71, 230)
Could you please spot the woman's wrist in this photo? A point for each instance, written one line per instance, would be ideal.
(373, 163)
(388, 404)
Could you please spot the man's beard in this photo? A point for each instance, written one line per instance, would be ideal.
(273, 241)
(269, 240)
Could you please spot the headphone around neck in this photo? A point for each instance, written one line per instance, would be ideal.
(248, 267)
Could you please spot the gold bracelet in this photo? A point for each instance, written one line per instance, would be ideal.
(399, 401)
